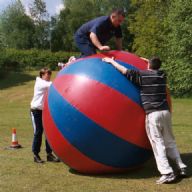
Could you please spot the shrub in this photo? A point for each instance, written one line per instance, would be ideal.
(17, 60)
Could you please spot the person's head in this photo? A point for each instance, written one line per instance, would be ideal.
(45, 74)
(154, 63)
(117, 16)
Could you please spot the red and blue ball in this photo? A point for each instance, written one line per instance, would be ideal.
(93, 116)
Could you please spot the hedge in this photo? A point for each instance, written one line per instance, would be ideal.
(19, 60)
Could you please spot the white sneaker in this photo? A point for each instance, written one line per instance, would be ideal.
(168, 178)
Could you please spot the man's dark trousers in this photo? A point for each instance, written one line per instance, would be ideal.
(85, 46)
(36, 116)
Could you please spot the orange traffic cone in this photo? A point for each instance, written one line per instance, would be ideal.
(14, 143)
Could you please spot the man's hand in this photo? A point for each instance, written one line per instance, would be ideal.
(119, 67)
(108, 60)
(97, 43)
(147, 60)
(104, 48)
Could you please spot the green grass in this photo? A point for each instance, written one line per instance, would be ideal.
(18, 172)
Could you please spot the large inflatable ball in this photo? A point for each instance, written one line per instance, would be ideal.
(93, 117)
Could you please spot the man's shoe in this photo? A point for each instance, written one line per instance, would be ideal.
(165, 179)
(182, 173)
(37, 159)
(52, 158)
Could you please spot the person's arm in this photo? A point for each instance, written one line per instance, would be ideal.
(147, 60)
(118, 42)
(43, 84)
(119, 67)
(97, 43)
(132, 75)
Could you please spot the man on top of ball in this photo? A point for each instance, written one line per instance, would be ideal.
(152, 85)
(97, 32)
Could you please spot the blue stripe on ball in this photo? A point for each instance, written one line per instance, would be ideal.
(98, 144)
(94, 69)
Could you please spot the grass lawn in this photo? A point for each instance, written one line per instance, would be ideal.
(18, 172)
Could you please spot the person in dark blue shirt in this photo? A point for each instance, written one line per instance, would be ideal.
(96, 33)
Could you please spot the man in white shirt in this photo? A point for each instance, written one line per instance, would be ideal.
(41, 86)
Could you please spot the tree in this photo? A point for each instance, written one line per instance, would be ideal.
(178, 52)
(16, 27)
(40, 16)
(147, 26)
(2, 39)
(61, 38)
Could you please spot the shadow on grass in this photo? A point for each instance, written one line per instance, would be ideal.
(148, 170)
(187, 159)
(12, 79)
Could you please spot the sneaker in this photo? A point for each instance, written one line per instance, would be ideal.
(37, 159)
(52, 158)
(182, 173)
(168, 178)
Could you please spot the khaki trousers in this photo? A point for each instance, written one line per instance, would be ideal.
(159, 132)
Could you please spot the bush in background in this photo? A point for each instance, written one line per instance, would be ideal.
(20, 60)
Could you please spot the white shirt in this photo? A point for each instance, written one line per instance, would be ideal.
(40, 89)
